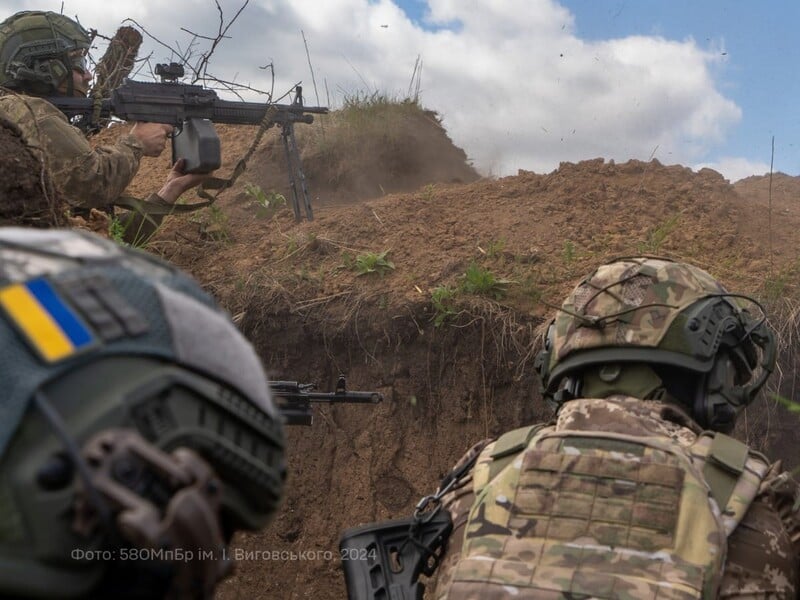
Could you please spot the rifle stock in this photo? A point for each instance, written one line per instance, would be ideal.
(383, 561)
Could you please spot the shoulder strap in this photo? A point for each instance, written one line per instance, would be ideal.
(508, 446)
(724, 466)
(148, 207)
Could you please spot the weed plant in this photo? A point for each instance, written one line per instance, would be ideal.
(442, 299)
(266, 203)
(658, 236)
(481, 281)
(372, 262)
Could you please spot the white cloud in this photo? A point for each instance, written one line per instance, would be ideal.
(515, 87)
(734, 169)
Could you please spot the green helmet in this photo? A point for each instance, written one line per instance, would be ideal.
(669, 326)
(37, 51)
(137, 427)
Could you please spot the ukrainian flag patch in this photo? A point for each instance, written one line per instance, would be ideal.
(49, 325)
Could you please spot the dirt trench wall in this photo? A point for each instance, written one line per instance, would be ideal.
(445, 389)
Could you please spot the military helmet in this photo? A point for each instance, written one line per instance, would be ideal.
(39, 50)
(135, 416)
(711, 352)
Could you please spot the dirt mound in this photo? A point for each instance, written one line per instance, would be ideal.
(780, 190)
(539, 231)
(347, 156)
(25, 195)
(379, 156)
(448, 330)
(774, 204)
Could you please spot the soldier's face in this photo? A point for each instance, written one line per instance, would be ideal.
(81, 75)
(80, 82)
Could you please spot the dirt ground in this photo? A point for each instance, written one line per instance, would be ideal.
(294, 291)
(27, 197)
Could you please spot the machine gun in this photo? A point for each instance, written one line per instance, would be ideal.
(294, 399)
(192, 110)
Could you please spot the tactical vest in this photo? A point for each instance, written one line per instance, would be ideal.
(578, 514)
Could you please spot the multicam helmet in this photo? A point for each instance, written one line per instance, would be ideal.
(134, 415)
(39, 50)
(671, 315)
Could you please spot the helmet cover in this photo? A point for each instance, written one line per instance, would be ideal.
(655, 311)
(38, 51)
(116, 338)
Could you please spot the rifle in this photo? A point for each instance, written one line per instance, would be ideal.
(294, 399)
(192, 110)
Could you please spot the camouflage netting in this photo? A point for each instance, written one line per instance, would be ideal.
(117, 62)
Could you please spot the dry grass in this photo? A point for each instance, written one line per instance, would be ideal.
(767, 423)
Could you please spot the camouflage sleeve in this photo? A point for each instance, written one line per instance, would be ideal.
(764, 550)
(458, 502)
(84, 176)
(88, 177)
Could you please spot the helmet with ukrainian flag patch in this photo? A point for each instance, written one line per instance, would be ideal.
(668, 314)
(39, 50)
(135, 415)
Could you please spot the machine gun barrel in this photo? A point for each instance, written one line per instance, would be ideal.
(192, 110)
(294, 399)
(174, 103)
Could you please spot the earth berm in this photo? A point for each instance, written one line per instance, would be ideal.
(450, 332)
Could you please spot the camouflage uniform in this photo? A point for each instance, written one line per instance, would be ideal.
(39, 52)
(625, 495)
(84, 177)
(561, 521)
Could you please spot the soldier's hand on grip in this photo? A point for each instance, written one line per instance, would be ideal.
(153, 137)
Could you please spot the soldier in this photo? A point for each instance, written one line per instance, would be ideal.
(634, 490)
(45, 54)
(137, 429)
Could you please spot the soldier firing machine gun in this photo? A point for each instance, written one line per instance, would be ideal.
(193, 110)
(294, 399)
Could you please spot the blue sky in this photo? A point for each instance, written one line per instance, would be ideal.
(760, 42)
(760, 74)
(518, 84)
